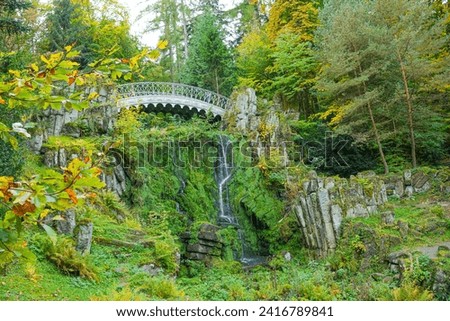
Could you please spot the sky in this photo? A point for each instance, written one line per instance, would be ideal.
(137, 27)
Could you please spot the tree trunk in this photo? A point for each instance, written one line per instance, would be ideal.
(410, 110)
(374, 127)
(377, 138)
(185, 31)
(216, 79)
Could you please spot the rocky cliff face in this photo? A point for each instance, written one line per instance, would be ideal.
(324, 202)
(262, 126)
(75, 124)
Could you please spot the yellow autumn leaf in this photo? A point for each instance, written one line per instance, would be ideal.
(15, 73)
(154, 54)
(93, 95)
(34, 67)
(44, 59)
(162, 44)
(44, 214)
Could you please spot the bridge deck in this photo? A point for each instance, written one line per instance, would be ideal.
(174, 94)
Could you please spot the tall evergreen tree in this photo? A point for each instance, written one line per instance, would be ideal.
(416, 40)
(210, 64)
(171, 18)
(10, 23)
(66, 27)
(384, 55)
(351, 67)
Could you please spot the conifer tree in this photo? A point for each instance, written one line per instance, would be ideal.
(210, 63)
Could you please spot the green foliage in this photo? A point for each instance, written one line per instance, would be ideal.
(410, 292)
(294, 72)
(231, 241)
(10, 11)
(156, 288)
(329, 152)
(11, 160)
(74, 23)
(384, 71)
(209, 64)
(65, 257)
(125, 294)
(253, 60)
(171, 18)
(258, 207)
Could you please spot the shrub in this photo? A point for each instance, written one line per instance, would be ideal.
(410, 292)
(125, 294)
(65, 257)
(11, 161)
(160, 287)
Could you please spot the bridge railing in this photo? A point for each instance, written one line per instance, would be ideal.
(174, 89)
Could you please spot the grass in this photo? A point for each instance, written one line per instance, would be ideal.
(335, 278)
(428, 222)
(47, 283)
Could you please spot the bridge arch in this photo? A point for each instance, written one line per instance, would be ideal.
(172, 97)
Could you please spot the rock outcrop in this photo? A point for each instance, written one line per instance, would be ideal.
(84, 237)
(244, 113)
(263, 127)
(76, 124)
(205, 245)
(324, 202)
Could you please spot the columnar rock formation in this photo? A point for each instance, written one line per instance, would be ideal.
(324, 202)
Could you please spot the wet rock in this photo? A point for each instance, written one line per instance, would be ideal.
(207, 244)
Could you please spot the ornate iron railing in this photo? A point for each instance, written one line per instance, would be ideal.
(172, 89)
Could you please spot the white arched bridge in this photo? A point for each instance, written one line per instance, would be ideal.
(172, 97)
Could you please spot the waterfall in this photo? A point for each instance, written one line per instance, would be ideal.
(224, 173)
(223, 176)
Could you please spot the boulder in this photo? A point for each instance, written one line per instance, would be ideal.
(420, 182)
(441, 284)
(151, 269)
(407, 177)
(388, 217)
(84, 238)
(205, 245)
(65, 225)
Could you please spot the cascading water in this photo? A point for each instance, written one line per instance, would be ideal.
(224, 172)
(223, 176)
